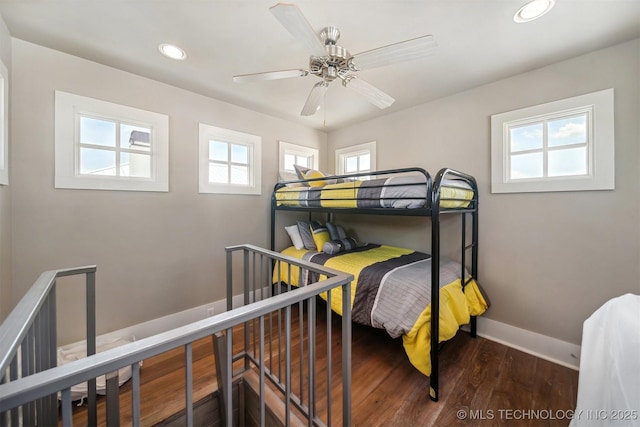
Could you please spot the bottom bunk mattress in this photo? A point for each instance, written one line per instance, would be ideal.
(391, 290)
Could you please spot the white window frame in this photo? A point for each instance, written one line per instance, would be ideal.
(297, 150)
(356, 150)
(254, 142)
(68, 110)
(4, 124)
(600, 147)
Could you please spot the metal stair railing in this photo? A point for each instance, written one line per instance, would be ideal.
(20, 394)
(28, 342)
(267, 350)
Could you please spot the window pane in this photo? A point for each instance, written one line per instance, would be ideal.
(218, 151)
(572, 161)
(289, 161)
(239, 154)
(136, 165)
(303, 161)
(218, 173)
(97, 132)
(239, 175)
(135, 137)
(526, 166)
(124, 164)
(527, 137)
(351, 164)
(97, 162)
(572, 130)
(365, 162)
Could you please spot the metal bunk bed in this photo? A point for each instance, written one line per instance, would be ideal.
(432, 207)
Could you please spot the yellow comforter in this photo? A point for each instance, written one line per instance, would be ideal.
(391, 290)
(409, 192)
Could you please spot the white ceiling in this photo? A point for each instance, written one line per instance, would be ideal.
(478, 42)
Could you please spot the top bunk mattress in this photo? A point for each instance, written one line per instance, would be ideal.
(396, 192)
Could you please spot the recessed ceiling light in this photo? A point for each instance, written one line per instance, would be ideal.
(172, 51)
(533, 10)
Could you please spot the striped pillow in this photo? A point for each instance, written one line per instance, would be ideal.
(320, 236)
(307, 173)
(333, 247)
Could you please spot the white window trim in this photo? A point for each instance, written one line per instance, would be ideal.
(343, 153)
(69, 107)
(208, 132)
(601, 175)
(4, 124)
(296, 149)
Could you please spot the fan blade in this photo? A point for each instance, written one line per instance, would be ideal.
(372, 93)
(397, 52)
(291, 17)
(314, 99)
(269, 75)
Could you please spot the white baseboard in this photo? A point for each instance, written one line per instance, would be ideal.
(542, 346)
(166, 323)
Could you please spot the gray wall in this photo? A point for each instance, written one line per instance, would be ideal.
(5, 198)
(547, 260)
(157, 253)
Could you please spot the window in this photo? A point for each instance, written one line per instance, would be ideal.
(106, 146)
(565, 145)
(229, 161)
(4, 125)
(293, 154)
(114, 148)
(357, 158)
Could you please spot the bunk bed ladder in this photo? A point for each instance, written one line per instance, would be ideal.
(474, 259)
(435, 270)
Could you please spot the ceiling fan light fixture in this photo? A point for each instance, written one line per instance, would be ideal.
(330, 61)
(533, 10)
(172, 51)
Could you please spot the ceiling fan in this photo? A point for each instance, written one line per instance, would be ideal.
(330, 61)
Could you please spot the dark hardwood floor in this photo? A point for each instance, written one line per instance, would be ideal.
(482, 383)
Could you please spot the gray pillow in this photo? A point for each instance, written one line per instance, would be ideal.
(333, 247)
(305, 233)
(336, 231)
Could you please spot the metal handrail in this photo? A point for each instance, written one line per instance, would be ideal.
(15, 327)
(256, 357)
(60, 379)
(28, 342)
(56, 379)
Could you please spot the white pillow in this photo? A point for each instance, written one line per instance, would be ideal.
(289, 176)
(294, 234)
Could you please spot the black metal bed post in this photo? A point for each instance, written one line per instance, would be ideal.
(273, 220)
(435, 296)
(473, 326)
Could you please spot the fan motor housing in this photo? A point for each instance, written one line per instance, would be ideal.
(328, 67)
